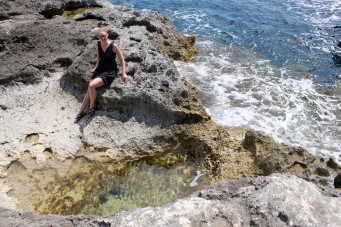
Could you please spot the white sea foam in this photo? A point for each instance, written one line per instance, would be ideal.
(319, 12)
(197, 17)
(322, 15)
(241, 90)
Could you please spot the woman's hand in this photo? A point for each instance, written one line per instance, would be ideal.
(125, 78)
(93, 69)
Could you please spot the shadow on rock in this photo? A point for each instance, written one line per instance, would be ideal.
(122, 105)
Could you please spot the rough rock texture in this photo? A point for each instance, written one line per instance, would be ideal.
(276, 200)
(46, 68)
(44, 72)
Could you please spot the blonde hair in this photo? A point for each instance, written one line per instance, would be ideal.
(102, 29)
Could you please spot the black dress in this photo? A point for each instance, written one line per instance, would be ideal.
(107, 66)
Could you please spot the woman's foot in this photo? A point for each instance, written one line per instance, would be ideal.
(91, 112)
(79, 117)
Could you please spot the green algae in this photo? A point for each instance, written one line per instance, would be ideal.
(69, 14)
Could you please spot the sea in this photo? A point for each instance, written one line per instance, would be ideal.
(273, 66)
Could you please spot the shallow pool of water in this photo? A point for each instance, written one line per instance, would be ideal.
(87, 187)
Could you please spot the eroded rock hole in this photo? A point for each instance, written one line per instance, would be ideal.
(150, 28)
(32, 138)
(134, 58)
(22, 39)
(90, 17)
(63, 62)
(337, 182)
(2, 45)
(84, 186)
(113, 35)
(135, 39)
(52, 11)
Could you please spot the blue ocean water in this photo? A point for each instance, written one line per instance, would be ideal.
(269, 65)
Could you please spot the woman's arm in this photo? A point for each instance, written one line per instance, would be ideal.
(123, 63)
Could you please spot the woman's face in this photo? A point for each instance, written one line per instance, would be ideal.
(102, 35)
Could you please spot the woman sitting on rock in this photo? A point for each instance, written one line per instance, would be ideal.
(104, 73)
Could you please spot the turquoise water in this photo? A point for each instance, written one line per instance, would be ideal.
(269, 65)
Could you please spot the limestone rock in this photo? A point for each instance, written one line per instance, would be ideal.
(279, 200)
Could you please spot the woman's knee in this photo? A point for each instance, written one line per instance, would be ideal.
(92, 85)
(95, 83)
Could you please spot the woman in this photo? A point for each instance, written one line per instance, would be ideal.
(103, 73)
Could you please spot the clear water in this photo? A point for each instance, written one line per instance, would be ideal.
(83, 186)
(265, 64)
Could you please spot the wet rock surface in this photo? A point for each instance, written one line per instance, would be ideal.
(45, 68)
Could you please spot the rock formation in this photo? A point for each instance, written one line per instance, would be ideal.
(45, 61)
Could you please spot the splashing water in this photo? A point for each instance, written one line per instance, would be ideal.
(241, 90)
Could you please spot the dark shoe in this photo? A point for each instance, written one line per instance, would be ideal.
(79, 117)
(91, 112)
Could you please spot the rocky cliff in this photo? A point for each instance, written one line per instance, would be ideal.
(45, 59)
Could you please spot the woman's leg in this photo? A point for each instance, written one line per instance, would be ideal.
(85, 102)
(90, 97)
(95, 83)
(81, 112)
